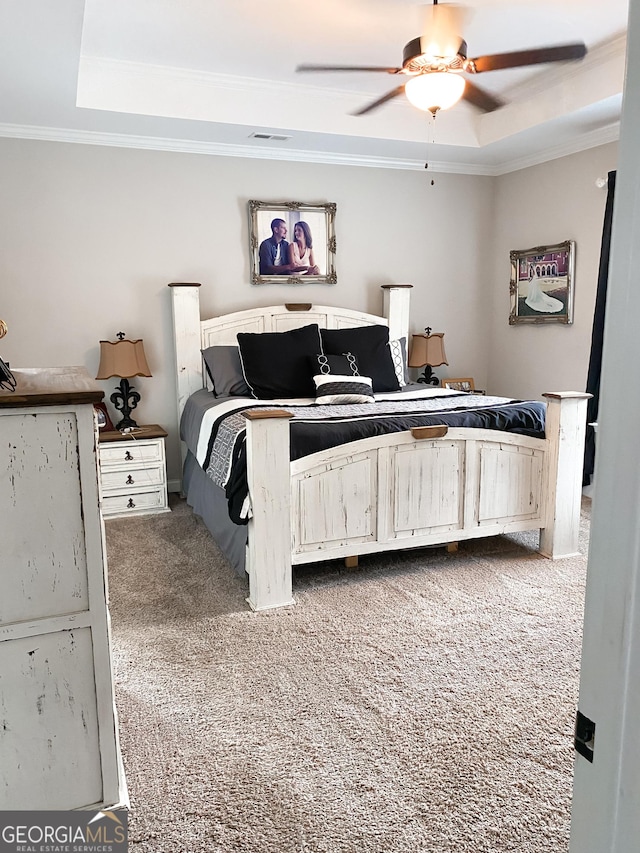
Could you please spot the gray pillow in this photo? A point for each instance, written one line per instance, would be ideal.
(225, 371)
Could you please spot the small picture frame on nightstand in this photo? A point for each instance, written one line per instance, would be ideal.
(102, 416)
(466, 384)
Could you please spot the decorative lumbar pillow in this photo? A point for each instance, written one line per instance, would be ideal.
(370, 346)
(276, 364)
(332, 388)
(343, 365)
(225, 371)
(398, 350)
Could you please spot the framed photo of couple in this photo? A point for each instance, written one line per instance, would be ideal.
(292, 242)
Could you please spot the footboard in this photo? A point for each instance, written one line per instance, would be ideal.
(428, 486)
(414, 488)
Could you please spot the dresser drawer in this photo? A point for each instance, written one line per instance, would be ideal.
(131, 453)
(134, 502)
(127, 479)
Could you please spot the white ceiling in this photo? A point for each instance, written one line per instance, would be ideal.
(202, 75)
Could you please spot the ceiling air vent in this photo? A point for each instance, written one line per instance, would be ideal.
(276, 137)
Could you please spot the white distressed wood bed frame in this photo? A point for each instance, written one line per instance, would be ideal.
(427, 486)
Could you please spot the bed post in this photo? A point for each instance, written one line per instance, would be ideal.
(397, 298)
(269, 479)
(185, 306)
(565, 429)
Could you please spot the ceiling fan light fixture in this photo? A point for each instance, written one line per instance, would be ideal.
(435, 90)
(440, 30)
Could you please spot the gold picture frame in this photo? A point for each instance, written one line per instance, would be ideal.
(465, 384)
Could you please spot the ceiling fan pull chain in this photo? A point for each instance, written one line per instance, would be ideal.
(431, 140)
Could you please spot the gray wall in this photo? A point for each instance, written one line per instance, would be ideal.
(90, 236)
(538, 206)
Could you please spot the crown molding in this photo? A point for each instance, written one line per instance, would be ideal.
(592, 139)
(167, 74)
(188, 146)
(588, 140)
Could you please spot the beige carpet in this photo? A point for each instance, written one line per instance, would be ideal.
(423, 702)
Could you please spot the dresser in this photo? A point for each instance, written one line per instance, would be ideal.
(133, 472)
(58, 723)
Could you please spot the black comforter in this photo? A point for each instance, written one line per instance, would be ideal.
(317, 428)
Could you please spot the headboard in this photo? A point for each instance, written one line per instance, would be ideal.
(192, 334)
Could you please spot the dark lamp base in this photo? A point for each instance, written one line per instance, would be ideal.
(428, 377)
(126, 423)
(125, 399)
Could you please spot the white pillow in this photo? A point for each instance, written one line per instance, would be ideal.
(332, 388)
(398, 350)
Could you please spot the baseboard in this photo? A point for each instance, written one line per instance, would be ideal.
(174, 485)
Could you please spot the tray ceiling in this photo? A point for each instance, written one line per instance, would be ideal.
(201, 75)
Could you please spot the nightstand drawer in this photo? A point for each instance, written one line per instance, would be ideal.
(133, 503)
(127, 479)
(131, 453)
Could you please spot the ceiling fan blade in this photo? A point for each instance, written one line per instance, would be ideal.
(442, 25)
(480, 98)
(519, 58)
(375, 104)
(388, 70)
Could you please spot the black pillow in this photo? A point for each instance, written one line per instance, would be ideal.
(370, 345)
(276, 364)
(337, 365)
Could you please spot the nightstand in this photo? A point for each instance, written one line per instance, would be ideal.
(133, 472)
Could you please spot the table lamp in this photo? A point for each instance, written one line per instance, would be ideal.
(427, 351)
(125, 359)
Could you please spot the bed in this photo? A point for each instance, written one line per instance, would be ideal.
(435, 483)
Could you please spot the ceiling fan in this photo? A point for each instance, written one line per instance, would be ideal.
(434, 63)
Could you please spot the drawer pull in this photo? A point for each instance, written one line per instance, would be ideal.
(131, 504)
(128, 456)
(130, 480)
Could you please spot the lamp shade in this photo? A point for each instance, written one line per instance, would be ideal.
(427, 349)
(435, 90)
(122, 358)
